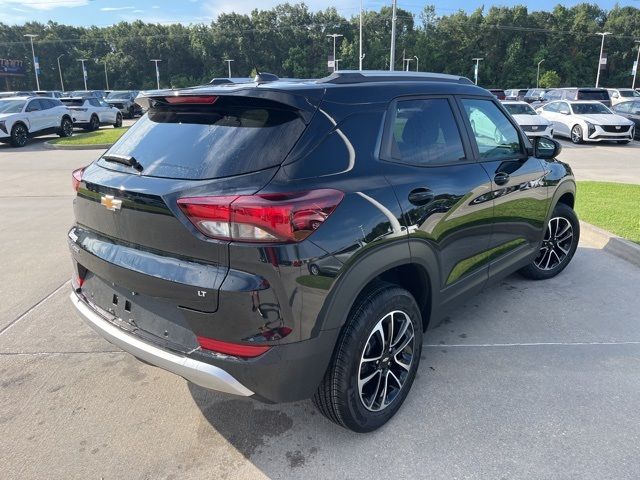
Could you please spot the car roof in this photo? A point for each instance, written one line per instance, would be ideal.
(348, 86)
(514, 102)
(19, 97)
(75, 98)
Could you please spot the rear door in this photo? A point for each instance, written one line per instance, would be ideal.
(442, 190)
(517, 183)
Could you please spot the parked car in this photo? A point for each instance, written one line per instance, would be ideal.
(22, 93)
(547, 96)
(22, 118)
(535, 94)
(124, 101)
(91, 112)
(515, 94)
(498, 93)
(531, 123)
(599, 94)
(618, 95)
(631, 111)
(188, 254)
(49, 93)
(587, 121)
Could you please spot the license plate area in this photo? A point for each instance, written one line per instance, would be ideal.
(154, 319)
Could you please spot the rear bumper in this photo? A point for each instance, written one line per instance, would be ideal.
(200, 373)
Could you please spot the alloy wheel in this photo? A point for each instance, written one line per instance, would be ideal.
(67, 128)
(556, 244)
(576, 134)
(386, 361)
(20, 135)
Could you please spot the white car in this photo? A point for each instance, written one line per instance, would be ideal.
(587, 121)
(531, 123)
(25, 117)
(91, 112)
(622, 95)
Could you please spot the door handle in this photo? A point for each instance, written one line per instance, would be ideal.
(501, 178)
(421, 196)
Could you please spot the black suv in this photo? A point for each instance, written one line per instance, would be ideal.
(294, 239)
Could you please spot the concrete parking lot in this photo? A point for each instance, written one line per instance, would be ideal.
(535, 380)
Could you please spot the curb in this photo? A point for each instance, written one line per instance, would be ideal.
(99, 146)
(611, 243)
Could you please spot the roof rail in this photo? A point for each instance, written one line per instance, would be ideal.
(373, 76)
(220, 81)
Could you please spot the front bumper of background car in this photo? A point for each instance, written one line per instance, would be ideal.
(598, 133)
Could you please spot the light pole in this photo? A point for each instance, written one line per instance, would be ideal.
(36, 64)
(337, 60)
(604, 34)
(84, 72)
(635, 72)
(477, 60)
(408, 60)
(417, 61)
(334, 36)
(361, 57)
(538, 74)
(156, 60)
(60, 71)
(392, 57)
(106, 77)
(229, 65)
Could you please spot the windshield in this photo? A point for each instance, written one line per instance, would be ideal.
(518, 109)
(235, 135)
(629, 93)
(589, 109)
(119, 95)
(11, 106)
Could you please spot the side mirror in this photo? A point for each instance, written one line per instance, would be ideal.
(546, 148)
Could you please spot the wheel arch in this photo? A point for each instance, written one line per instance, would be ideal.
(20, 122)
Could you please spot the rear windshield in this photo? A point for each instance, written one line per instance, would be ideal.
(629, 93)
(71, 102)
(233, 136)
(593, 95)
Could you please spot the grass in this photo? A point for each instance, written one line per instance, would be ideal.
(615, 207)
(99, 137)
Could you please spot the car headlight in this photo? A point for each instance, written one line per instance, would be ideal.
(591, 129)
(3, 127)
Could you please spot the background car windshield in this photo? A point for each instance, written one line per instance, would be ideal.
(590, 109)
(629, 93)
(11, 106)
(516, 109)
(72, 102)
(231, 137)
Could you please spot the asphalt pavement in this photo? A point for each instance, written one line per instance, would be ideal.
(528, 380)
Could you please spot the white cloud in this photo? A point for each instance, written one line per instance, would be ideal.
(213, 8)
(115, 9)
(44, 4)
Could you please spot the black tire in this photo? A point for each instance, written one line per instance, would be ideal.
(118, 123)
(314, 269)
(576, 134)
(19, 135)
(66, 128)
(552, 258)
(94, 124)
(339, 397)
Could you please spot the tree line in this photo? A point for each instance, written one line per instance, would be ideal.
(290, 41)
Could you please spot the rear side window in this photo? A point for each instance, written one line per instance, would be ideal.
(424, 132)
(235, 135)
(495, 135)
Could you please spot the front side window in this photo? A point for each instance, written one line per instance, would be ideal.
(425, 132)
(34, 106)
(495, 135)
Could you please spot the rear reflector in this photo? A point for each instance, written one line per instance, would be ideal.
(234, 349)
(192, 100)
(269, 218)
(76, 178)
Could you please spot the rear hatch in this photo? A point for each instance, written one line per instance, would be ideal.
(130, 234)
(594, 94)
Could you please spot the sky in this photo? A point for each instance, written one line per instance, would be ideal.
(108, 12)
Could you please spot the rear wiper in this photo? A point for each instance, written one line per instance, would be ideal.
(127, 160)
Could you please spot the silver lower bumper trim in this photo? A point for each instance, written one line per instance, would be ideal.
(200, 373)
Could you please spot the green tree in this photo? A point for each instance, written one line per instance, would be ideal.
(550, 79)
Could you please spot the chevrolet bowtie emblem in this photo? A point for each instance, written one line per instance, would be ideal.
(111, 203)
